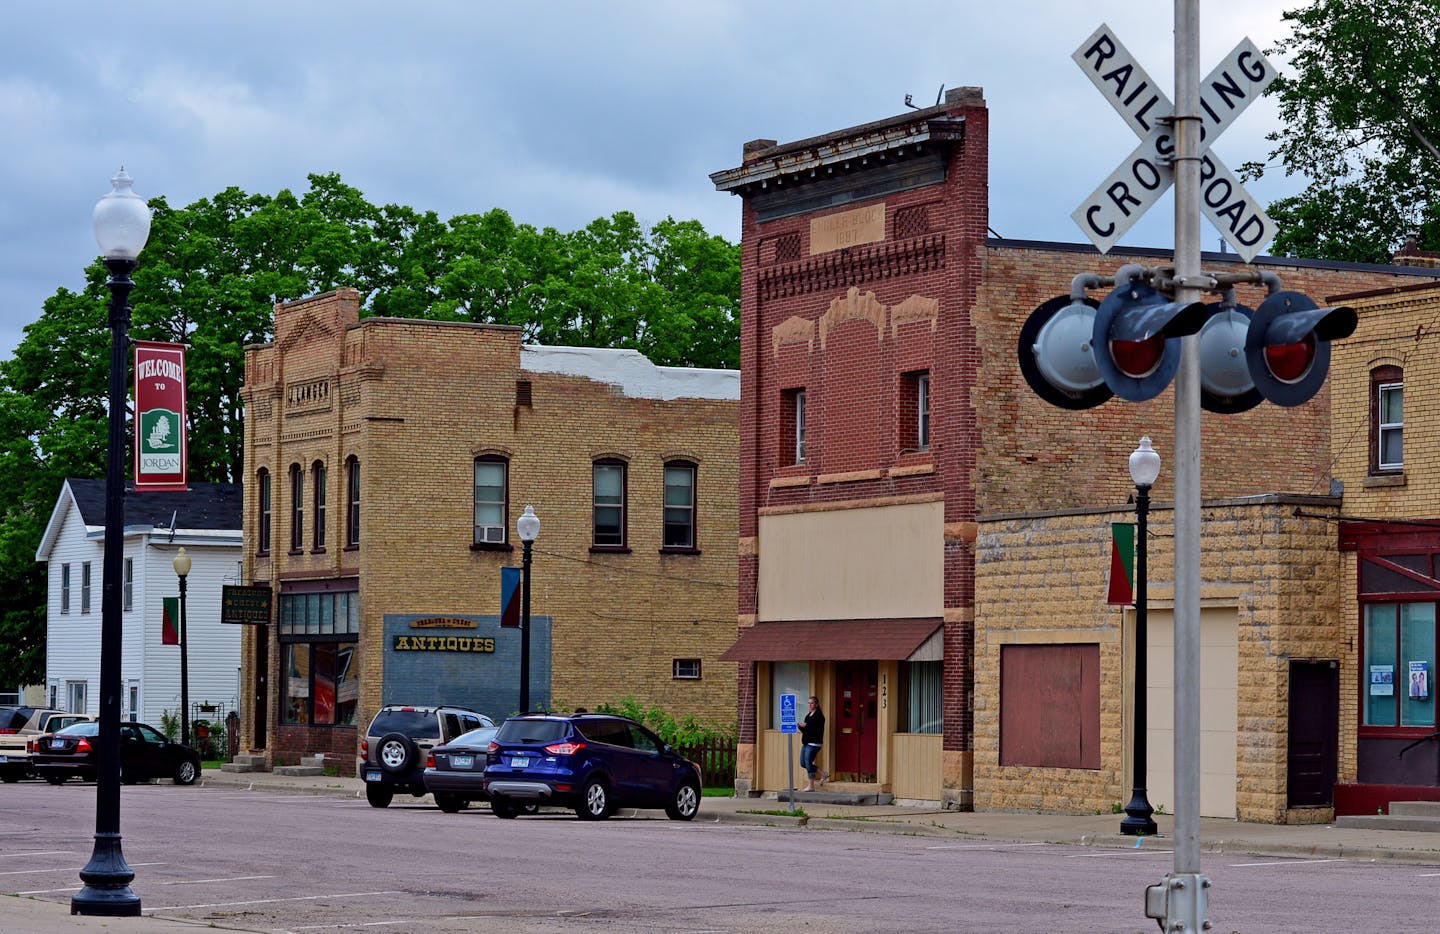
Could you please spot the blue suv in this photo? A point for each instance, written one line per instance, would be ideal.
(593, 763)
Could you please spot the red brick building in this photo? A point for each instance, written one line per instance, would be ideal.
(883, 415)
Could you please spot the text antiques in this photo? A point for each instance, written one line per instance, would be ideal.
(404, 643)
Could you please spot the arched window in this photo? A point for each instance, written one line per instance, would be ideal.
(262, 486)
(609, 503)
(317, 479)
(352, 502)
(679, 531)
(492, 476)
(297, 509)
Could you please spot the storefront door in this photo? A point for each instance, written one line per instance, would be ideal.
(856, 722)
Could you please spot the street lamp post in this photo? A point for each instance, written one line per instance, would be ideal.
(182, 570)
(528, 525)
(122, 225)
(1144, 469)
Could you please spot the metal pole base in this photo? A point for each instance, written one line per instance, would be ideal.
(1180, 903)
(1138, 821)
(107, 879)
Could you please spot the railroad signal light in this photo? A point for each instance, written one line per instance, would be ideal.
(1137, 339)
(1056, 357)
(1287, 346)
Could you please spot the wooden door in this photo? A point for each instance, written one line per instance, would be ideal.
(855, 718)
(1314, 733)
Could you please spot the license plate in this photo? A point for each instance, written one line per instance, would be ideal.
(372, 775)
(463, 762)
(57, 744)
(519, 762)
(4, 759)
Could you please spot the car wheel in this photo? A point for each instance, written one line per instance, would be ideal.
(185, 773)
(378, 795)
(449, 803)
(503, 809)
(10, 777)
(529, 809)
(397, 752)
(594, 801)
(56, 778)
(685, 803)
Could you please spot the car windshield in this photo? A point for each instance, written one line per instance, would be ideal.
(410, 722)
(522, 731)
(480, 737)
(88, 728)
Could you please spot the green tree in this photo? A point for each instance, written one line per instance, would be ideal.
(212, 271)
(1362, 123)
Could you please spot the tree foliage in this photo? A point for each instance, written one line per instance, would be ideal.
(1362, 122)
(212, 271)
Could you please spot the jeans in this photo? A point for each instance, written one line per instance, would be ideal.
(808, 752)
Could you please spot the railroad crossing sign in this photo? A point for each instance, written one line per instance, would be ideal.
(1146, 174)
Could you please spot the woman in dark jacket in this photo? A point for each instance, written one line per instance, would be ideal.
(812, 737)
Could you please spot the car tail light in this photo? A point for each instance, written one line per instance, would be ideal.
(564, 749)
(493, 748)
(430, 761)
(7, 731)
(83, 746)
(364, 748)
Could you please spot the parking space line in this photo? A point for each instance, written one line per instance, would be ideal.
(40, 853)
(29, 872)
(983, 846)
(1286, 862)
(200, 881)
(269, 901)
(1121, 854)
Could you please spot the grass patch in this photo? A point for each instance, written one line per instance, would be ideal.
(785, 812)
(717, 792)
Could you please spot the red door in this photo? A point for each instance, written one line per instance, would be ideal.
(855, 722)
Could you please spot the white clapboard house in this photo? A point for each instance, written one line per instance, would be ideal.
(205, 520)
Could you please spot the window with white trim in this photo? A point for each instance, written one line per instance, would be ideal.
(85, 587)
(128, 589)
(64, 589)
(687, 669)
(1390, 426)
(679, 505)
(492, 475)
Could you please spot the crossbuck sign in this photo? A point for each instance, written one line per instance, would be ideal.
(1146, 174)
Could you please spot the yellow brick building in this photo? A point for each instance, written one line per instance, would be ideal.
(386, 462)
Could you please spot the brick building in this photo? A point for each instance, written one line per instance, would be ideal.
(893, 461)
(387, 461)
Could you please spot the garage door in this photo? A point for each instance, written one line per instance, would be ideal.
(1219, 667)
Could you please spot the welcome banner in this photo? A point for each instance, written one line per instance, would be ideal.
(160, 454)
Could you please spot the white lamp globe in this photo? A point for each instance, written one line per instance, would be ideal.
(122, 220)
(1144, 464)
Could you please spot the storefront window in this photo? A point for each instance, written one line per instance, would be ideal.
(319, 633)
(789, 678)
(1400, 664)
(924, 687)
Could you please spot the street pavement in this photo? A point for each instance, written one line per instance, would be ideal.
(34, 916)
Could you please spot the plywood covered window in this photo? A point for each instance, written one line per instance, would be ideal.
(1050, 705)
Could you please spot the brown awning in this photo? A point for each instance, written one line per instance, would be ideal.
(832, 640)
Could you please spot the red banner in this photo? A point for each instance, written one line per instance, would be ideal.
(160, 454)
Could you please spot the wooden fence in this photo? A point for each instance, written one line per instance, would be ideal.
(716, 760)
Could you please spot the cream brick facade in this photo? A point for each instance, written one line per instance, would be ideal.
(1041, 578)
(416, 402)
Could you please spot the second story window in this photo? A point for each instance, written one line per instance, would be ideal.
(128, 587)
(490, 500)
(64, 588)
(1390, 425)
(922, 415)
(792, 427)
(609, 504)
(297, 508)
(318, 476)
(352, 502)
(262, 538)
(913, 412)
(679, 505)
(85, 587)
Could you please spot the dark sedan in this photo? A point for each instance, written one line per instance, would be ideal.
(145, 753)
(455, 772)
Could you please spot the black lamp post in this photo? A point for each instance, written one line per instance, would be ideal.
(182, 570)
(528, 525)
(122, 225)
(1144, 469)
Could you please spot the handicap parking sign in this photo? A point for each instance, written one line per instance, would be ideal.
(787, 714)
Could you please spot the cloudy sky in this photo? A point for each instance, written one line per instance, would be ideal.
(558, 112)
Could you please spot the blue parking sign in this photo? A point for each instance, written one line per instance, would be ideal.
(787, 714)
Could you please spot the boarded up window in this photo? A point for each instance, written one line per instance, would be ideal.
(1050, 705)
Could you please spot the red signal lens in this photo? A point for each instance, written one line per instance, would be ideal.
(564, 749)
(1290, 362)
(1138, 359)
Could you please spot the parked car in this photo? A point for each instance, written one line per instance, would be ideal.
(398, 743)
(20, 727)
(145, 753)
(593, 763)
(455, 772)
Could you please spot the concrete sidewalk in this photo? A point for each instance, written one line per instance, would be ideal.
(1099, 830)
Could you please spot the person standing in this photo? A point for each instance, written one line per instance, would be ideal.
(812, 737)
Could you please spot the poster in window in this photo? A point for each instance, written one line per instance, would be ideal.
(1382, 680)
(1419, 680)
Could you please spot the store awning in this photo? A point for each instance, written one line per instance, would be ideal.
(832, 640)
